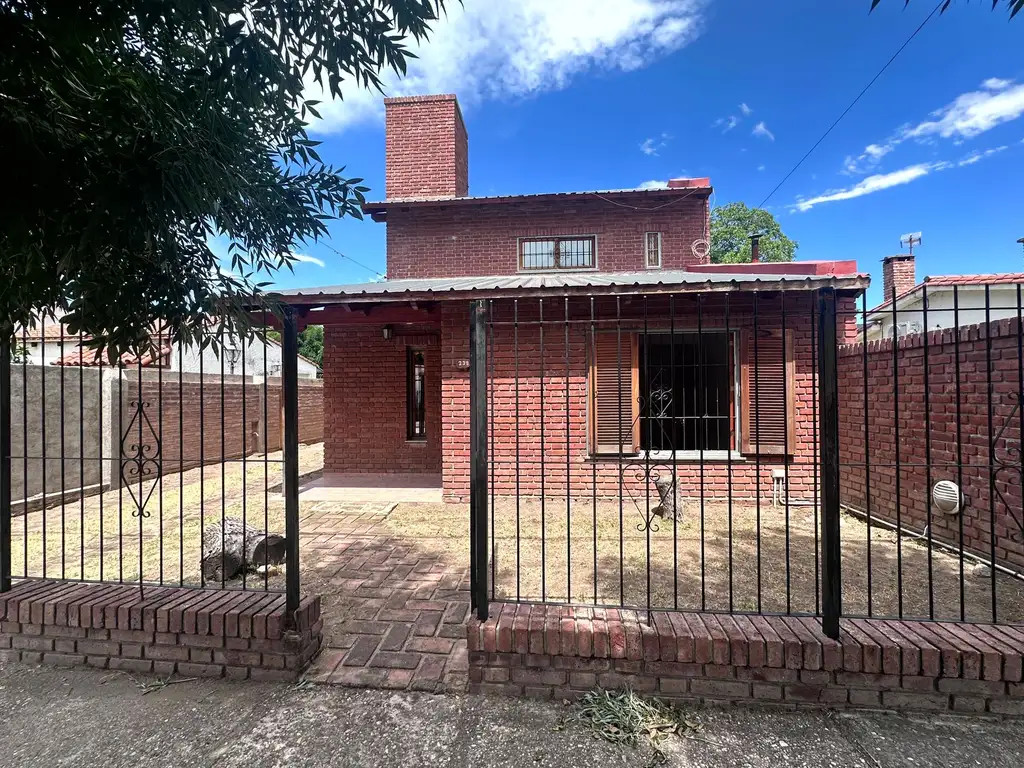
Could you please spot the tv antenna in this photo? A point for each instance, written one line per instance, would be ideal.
(910, 240)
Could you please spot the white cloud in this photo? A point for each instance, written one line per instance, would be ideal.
(760, 167)
(978, 154)
(726, 123)
(868, 160)
(973, 113)
(996, 84)
(762, 130)
(747, 111)
(655, 145)
(653, 184)
(873, 184)
(482, 50)
(883, 181)
(306, 259)
(967, 116)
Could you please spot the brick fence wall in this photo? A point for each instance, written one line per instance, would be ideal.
(165, 630)
(963, 451)
(210, 419)
(562, 652)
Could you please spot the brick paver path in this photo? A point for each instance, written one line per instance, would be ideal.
(394, 611)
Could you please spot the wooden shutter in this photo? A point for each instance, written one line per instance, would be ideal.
(767, 410)
(615, 390)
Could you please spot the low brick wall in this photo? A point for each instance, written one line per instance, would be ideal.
(165, 630)
(560, 651)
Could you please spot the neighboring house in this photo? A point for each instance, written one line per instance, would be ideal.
(396, 353)
(44, 345)
(939, 301)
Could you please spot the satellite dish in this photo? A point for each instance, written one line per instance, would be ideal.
(947, 497)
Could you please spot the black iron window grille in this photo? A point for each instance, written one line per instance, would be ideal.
(554, 253)
(416, 405)
(686, 392)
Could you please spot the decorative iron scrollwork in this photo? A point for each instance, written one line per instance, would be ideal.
(140, 456)
(644, 471)
(1009, 460)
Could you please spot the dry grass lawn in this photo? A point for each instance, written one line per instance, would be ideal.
(737, 557)
(581, 552)
(102, 537)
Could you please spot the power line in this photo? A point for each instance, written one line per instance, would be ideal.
(853, 103)
(357, 263)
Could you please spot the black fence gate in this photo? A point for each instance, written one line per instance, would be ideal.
(178, 466)
(776, 452)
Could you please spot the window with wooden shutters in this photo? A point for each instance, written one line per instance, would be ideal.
(769, 393)
(613, 402)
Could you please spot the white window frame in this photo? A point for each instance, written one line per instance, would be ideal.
(647, 261)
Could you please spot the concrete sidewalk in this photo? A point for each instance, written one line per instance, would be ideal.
(102, 718)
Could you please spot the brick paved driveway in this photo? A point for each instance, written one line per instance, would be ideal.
(394, 606)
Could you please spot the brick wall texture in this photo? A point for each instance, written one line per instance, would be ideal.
(902, 442)
(563, 652)
(365, 388)
(455, 241)
(426, 147)
(365, 428)
(200, 423)
(170, 630)
(897, 272)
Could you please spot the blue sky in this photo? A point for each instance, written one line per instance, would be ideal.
(565, 95)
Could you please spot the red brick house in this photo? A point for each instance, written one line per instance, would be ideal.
(612, 339)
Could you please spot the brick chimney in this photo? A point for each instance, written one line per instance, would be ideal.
(426, 147)
(897, 272)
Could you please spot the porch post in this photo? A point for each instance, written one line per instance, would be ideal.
(5, 461)
(478, 457)
(290, 450)
(828, 410)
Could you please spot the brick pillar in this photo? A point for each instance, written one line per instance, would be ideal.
(898, 272)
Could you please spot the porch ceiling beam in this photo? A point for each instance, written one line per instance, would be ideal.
(373, 314)
(845, 287)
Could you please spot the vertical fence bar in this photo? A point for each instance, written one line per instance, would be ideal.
(832, 600)
(990, 416)
(896, 451)
(593, 464)
(927, 450)
(515, 346)
(959, 444)
(290, 450)
(5, 460)
(815, 460)
(543, 469)
(702, 409)
(568, 467)
(491, 451)
(478, 456)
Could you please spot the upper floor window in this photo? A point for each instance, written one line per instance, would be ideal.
(652, 249)
(557, 253)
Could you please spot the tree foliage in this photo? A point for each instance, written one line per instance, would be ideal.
(731, 228)
(138, 129)
(1013, 6)
(311, 344)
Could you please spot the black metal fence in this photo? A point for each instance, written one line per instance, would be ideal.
(176, 466)
(749, 452)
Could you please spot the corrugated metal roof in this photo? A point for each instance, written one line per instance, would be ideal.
(572, 282)
(681, 192)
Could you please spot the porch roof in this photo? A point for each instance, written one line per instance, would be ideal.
(564, 283)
